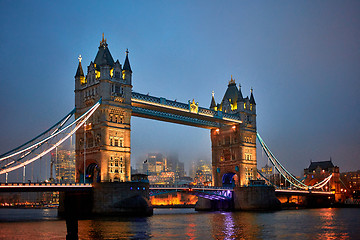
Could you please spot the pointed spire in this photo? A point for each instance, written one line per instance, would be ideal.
(240, 96)
(252, 100)
(232, 81)
(103, 56)
(213, 103)
(103, 42)
(126, 62)
(79, 71)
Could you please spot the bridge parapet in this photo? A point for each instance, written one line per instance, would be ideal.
(197, 187)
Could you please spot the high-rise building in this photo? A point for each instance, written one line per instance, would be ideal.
(154, 164)
(64, 163)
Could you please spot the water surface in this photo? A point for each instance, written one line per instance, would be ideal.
(323, 223)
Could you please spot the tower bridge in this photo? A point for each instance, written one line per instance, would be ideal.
(103, 147)
(104, 105)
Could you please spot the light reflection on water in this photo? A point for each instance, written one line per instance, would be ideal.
(188, 224)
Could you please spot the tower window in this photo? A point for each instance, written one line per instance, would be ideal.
(97, 73)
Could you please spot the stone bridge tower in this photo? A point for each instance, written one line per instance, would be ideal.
(234, 147)
(104, 143)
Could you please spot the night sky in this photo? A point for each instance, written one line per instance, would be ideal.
(302, 58)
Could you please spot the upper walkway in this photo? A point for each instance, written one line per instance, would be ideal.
(191, 114)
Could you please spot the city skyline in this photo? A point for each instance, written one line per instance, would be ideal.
(301, 59)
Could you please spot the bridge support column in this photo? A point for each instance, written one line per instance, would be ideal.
(204, 204)
(256, 198)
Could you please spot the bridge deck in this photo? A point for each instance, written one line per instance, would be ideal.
(300, 192)
(44, 187)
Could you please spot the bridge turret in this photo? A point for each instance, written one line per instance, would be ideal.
(79, 80)
(240, 100)
(127, 72)
(213, 103)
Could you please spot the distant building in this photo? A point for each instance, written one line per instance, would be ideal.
(351, 181)
(267, 170)
(155, 163)
(174, 165)
(202, 172)
(318, 171)
(64, 163)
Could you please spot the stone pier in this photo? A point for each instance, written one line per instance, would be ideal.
(108, 199)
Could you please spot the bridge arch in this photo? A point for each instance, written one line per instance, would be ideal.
(230, 179)
(92, 173)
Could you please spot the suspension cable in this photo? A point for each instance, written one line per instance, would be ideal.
(83, 119)
(43, 133)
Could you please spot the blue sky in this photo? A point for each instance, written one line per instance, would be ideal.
(301, 57)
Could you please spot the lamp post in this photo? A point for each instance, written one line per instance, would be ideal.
(84, 152)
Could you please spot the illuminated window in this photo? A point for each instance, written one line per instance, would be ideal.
(82, 80)
(244, 105)
(116, 142)
(251, 107)
(97, 73)
(111, 72)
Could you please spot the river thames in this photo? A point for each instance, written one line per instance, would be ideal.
(325, 223)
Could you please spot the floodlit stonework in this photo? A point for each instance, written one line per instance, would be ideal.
(104, 143)
(234, 147)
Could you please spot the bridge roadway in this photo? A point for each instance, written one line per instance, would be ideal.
(44, 187)
(221, 192)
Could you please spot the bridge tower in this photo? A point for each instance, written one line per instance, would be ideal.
(104, 143)
(234, 147)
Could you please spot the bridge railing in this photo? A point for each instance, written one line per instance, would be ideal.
(46, 184)
(188, 186)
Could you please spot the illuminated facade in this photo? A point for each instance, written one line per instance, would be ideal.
(104, 143)
(234, 147)
(318, 171)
